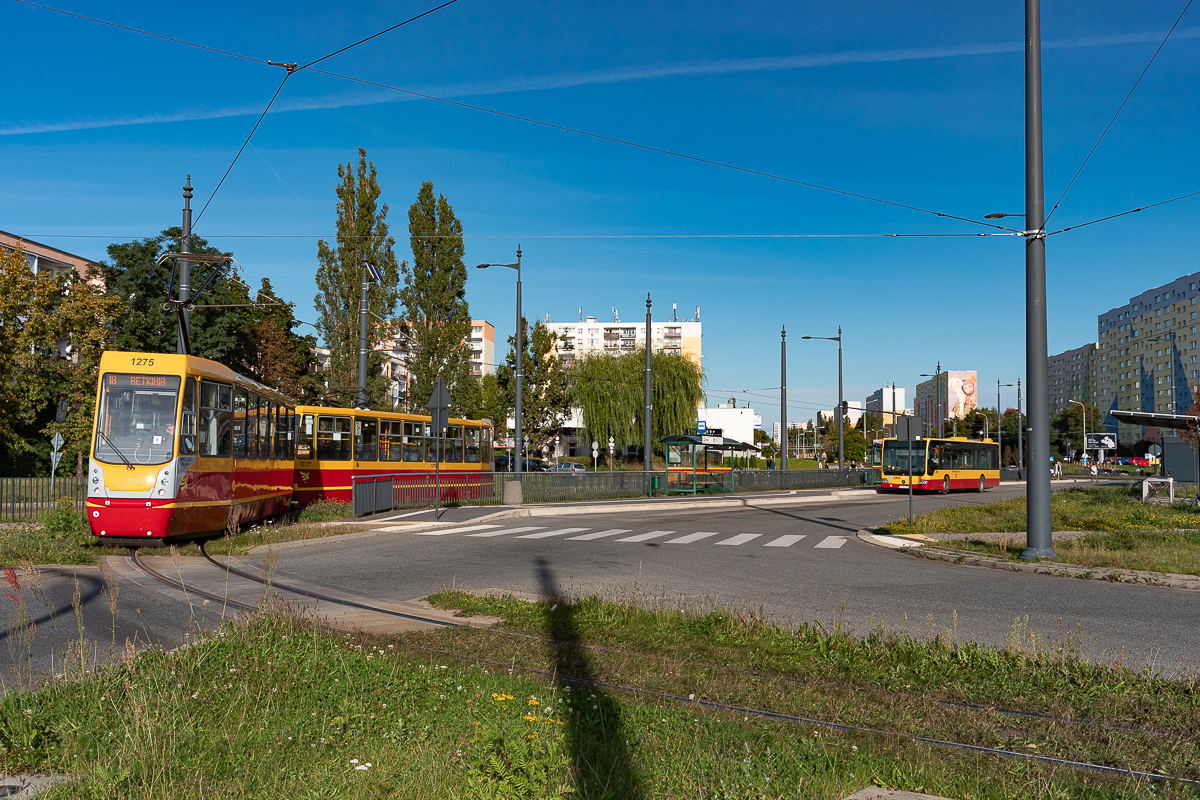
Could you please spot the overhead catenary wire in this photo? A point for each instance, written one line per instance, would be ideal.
(377, 35)
(1118, 112)
(550, 236)
(553, 126)
(1125, 213)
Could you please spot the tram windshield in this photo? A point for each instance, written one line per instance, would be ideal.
(136, 420)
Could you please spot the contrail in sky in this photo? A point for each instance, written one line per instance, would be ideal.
(612, 75)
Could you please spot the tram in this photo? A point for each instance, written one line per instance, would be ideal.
(186, 447)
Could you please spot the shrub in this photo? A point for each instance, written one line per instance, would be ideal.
(65, 522)
(326, 511)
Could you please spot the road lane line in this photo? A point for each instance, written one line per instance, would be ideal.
(741, 538)
(785, 541)
(506, 531)
(645, 537)
(587, 537)
(448, 531)
(693, 537)
(831, 542)
(558, 532)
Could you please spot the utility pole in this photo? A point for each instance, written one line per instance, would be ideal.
(1020, 435)
(363, 334)
(185, 269)
(647, 459)
(1039, 542)
(783, 394)
(841, 408)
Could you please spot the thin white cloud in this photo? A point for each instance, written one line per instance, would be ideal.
(613, 75)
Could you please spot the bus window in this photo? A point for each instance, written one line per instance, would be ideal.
(187, 423)
(333, 438)
(239, 423)
(454, 444)
(215, 430)
(414, 441)
(471, 445)
(304, 444)
(365, 434)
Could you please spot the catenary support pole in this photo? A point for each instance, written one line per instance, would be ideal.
(363, 334)
(783, 430)
(185, 269)
(1020, 436)
(648, 410)
(519, 338)
(841, 409)
(1039, 542)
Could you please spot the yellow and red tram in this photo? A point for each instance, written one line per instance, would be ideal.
(185, 446)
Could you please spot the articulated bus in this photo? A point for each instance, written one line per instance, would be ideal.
(941, 464)
(184, 447)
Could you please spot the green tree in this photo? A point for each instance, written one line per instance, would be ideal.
(494, 404)
(437, 320)
(270, 350)
(544, 403)
(1067, 426)
(52, 332)
(609, 390)
(362, 236)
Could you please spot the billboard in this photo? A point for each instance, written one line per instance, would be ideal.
(961, 394)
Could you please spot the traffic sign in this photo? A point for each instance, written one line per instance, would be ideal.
(57, 442)
(55, 457)
(701, 427)
(1155, 450)
(526, 441)
(439, 407)
(556, 438)
(595, 445)
(611, 441)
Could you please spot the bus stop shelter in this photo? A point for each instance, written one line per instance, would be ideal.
(688, 466)
(1184, 465)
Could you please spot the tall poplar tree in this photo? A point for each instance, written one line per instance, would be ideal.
(437, 319)
(362, 235)
(544, 404)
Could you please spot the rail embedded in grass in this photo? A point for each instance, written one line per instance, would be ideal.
(276, 705)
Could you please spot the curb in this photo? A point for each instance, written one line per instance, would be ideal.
(917, 549)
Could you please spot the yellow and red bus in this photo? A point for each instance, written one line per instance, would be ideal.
(940, 465)
(184, 446)
(335, 445)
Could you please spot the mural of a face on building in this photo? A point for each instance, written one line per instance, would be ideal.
(962, 399)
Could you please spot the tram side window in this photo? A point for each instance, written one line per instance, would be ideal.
(432, 443)
(281, 432)
(488, 458)
(391, 436)
(252, 426)
(471, 452)
(304, 445)
(454, 444)
(287, 445)
(187, 422)
(414, 441)
(266, 428)
(333, 438)
(216, 411)
(365, 436)
(239, 423)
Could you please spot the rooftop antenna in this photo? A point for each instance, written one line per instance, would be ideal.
(581, 313)
(697, 313)
(616, 316)
(674, 312)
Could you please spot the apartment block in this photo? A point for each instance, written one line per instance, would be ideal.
(1148, 358)
(947, 396)
(483, 347)
(589, 335)
(886, 403)
(1069, 377)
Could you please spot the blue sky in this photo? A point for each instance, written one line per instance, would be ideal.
(918, 103)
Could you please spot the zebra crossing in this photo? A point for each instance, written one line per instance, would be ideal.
(655, 536)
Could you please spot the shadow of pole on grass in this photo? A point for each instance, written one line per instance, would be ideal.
(597, 735)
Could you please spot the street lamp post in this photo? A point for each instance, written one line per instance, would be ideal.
(1082, 406)
(999, 419)
(840, 406)
(520, 346)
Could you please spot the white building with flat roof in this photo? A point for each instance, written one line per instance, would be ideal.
(589, 335)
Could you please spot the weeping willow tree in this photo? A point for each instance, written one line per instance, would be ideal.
(609, 391)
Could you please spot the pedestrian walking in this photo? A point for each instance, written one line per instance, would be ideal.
(1094, 471)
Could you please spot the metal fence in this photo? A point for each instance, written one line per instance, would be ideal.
(371, 492)
(22, 498)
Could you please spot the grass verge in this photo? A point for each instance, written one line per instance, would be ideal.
(1129, 534)
(275, 706)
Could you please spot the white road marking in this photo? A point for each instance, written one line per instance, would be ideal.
(784, 541)
(506, 531)
(693, 537)
(741, 538)
(832, 542)
(645, 537)
(448, 531)
(558, 532)
(587, 537)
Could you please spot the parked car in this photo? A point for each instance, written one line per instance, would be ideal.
(535, 465)
(503, 464)
(568, 466)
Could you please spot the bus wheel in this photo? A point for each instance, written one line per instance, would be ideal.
(982, 484)
(946, 485)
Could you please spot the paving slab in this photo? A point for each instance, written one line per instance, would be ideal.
(27, 786)
(876, 793)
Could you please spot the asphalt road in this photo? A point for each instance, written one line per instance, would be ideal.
(800, 563)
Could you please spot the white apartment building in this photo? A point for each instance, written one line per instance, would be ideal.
(589, 335)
